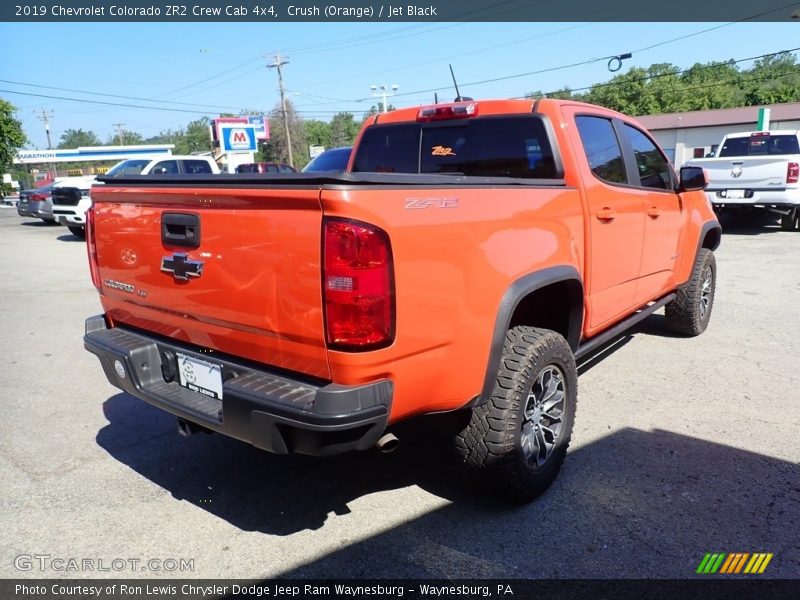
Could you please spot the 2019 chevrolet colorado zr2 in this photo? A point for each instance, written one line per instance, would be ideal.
(468, 255)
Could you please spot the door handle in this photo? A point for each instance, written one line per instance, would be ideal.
(180, 229)
(606, 214)
(653, 212)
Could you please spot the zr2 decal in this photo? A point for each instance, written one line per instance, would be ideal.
(417, 203)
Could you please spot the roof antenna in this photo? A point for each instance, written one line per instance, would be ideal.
(459, 97)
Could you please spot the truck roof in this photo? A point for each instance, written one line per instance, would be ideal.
(487, 107)
(770, 132)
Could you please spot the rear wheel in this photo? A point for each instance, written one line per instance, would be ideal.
(516, 441)
(690, 311)
(791, 221)
(77, 231)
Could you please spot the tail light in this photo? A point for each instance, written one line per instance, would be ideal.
(37, 198)
(792, 173)
(91, 248)
(358, 282)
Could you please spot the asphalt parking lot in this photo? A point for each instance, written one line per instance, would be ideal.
(681, 447)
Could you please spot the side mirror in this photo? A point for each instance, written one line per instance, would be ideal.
(693, 178)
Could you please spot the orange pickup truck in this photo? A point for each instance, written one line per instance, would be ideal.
(469, 254)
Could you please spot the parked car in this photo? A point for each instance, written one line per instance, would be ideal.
(756, 171)
(37, 203)
(335, 159)
(166, 165)
(71, 199)
(11, 199)
(74, 196)
(265, 167)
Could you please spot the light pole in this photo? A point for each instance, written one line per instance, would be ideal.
(384, 92)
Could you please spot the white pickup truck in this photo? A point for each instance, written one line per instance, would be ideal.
(73, 198)
(759, 169)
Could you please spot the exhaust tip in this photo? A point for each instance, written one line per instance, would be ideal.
(387, 443)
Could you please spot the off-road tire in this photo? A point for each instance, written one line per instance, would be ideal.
(491, 444)
(78, 232)
(791, 222)
(689, 313)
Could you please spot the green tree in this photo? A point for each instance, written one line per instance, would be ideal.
(277, 149)
(12, 137)
(74, 138)
(710, 86)
(196, 137)
(772, 80)
(126, 138)
(344, 129)
(563, 94)
(318, 133)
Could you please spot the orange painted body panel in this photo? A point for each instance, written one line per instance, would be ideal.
(452, 267)
(260, 296)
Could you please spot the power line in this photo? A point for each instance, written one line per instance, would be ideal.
(50, 87)
(85, 101)
(333, 112)
(592, 60)
(673, 73)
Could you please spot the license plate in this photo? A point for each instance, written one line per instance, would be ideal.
(200, 376)
(735, 194)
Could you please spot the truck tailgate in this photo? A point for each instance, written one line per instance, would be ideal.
(248, 284)
(745, 172)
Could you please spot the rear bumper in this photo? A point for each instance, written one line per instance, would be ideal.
(275, 412)
(760, 198)
(68, 217)
(74, 215)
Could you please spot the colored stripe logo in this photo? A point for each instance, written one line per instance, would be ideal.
(734, 563)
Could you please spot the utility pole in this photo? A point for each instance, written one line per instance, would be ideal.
(277, 65)
(44, 116)
(120, 131)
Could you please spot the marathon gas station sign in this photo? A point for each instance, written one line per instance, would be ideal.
(240, 134)
(93, 153)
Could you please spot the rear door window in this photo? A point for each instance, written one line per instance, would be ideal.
(602, 148)
(194, 167)
(484, 147)
(165, 167)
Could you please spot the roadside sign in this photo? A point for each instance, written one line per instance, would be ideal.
(315, 151)
(238, 138)
(261, 124)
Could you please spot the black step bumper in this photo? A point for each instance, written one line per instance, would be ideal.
(272, 411)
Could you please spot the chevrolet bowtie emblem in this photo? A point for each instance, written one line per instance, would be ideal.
(181, 267)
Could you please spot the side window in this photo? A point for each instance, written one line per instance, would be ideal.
(602, 148)
(654, 170)
(165, 167)
(194, 167)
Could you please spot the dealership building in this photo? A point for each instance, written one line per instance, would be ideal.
(688, 135)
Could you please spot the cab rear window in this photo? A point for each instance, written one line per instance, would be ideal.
(484, 147)
(759, 145)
